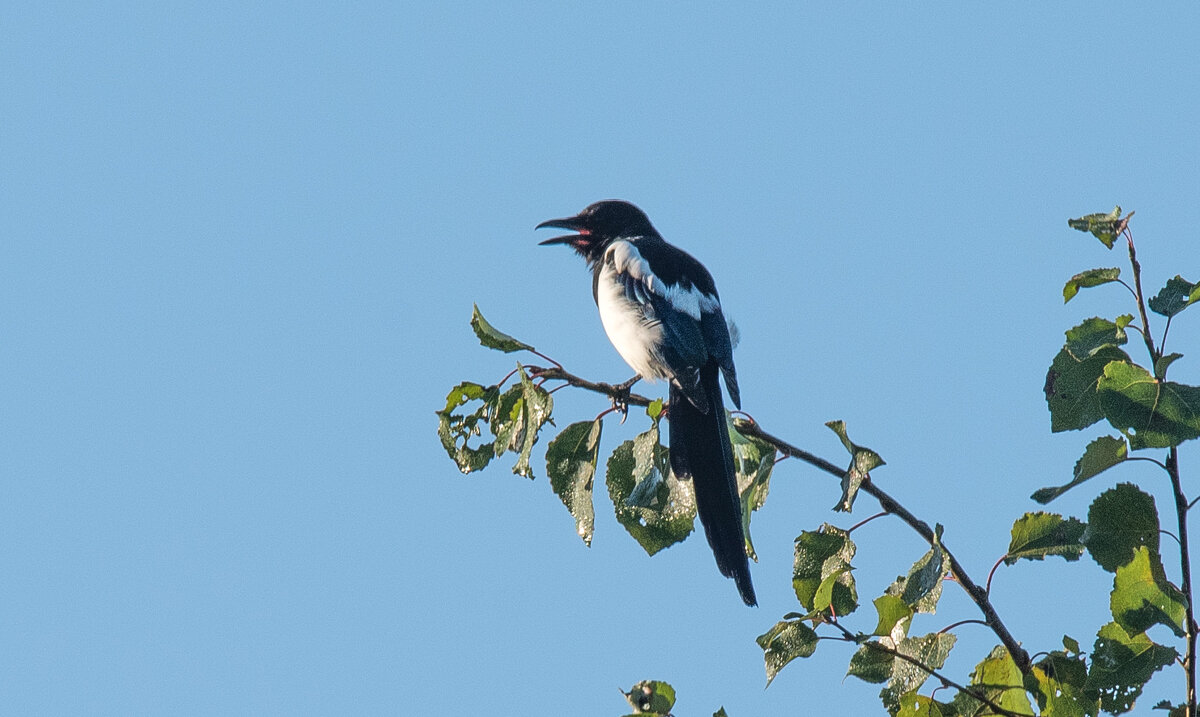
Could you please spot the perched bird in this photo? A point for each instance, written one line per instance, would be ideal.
(661, 312)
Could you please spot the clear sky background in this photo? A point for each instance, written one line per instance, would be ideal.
(241, 245)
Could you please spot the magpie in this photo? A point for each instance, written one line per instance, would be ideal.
(660, 309)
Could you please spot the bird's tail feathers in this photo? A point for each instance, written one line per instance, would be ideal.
(701, 452)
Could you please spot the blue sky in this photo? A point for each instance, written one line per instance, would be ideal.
(242, 247)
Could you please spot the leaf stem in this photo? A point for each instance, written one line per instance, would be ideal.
(951, 626)
(1141, 302)
(1185, 564)
(988, 586)
(864, 521)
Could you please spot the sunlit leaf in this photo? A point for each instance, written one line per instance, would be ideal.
(1071, 388)
(1121, 666)
(493, 338)
(1120, 520)
(862, 462)
(1100, 455)
(998, 678)
(651, 697)
(1142, 596)
(1060, 681)
(571, 464)
(915, 705)
(895, 617)
(822, 556)
(1177, 295)
(1037, 535)
(783, 643)
(1088, 279)
(1155, 414)
(1104, 227)
(657, 509)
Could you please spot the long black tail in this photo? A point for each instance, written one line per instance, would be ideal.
(700, 451)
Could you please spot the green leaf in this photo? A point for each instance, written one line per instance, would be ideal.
(1100, 455)
(895, 617)
(1058, 681)
(657, 509)
(753, 461)
(1120, 520)
(1155, 414)
(922, 587)
(1071, 644)
(571, 464)
(1142, 596)
(651, 697)
(1084, 340)
(493, 338)
(862, 462)
(870, 664)
(720, 713)
(1177, 295)
(1172, 710)
(1071, 388)
(823, 556)
(930, 650)
(783, 643)
(1037, 535)
(914, 705)
(998, 678)
(1121, 665)
(1163, 363)
(1104, 227)
(655, 409)
(456, 429)
(524, 409)
(1088, 279)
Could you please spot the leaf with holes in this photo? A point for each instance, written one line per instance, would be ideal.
(1177, 295)
(823, 556)
(783, 643)
(456, 429)
(1121, 666)
(571, 464)
(657, 509)
(922, 587)
(1104, 227)
(998, 678)
(651, 697)
(524, 409)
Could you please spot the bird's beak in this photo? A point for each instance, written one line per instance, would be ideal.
(572, 223)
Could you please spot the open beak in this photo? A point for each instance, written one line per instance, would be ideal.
(571, 223)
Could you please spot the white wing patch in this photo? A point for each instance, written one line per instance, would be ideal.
(625, 259)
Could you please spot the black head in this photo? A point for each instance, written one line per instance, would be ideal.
(599, 225)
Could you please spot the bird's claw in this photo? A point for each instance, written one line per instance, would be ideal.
(620, 400)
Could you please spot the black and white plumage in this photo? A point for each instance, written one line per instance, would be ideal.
(661, 311)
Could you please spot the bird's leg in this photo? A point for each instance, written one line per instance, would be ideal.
(621, 400)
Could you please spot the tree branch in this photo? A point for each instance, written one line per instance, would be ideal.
(889, 504)
(1181, 514)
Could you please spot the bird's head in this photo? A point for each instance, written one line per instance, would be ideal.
(599, 225)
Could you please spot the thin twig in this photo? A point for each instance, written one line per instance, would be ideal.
(951, 626)
(1185, 562)
(864, 521)
(1141, 302)
(988, 587)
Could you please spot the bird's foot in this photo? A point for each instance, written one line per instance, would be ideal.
(620, 400)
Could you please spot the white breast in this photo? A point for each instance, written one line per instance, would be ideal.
(634, 336)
